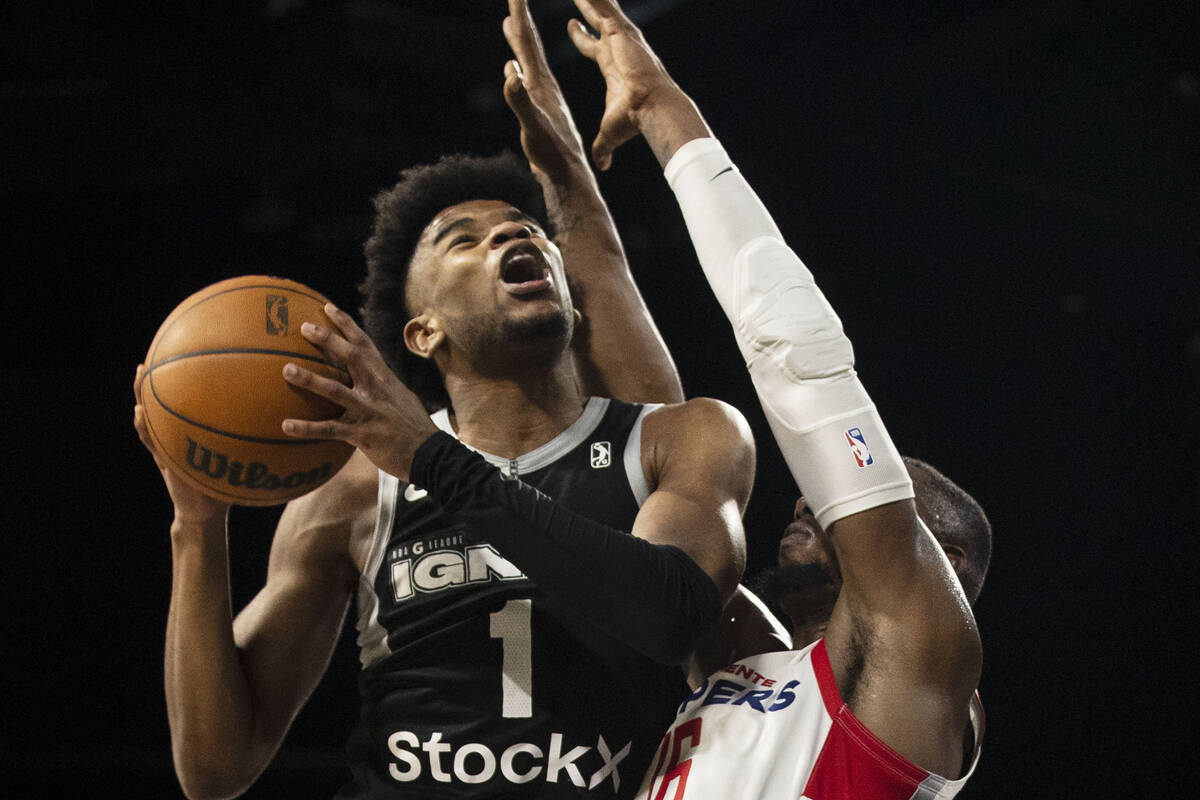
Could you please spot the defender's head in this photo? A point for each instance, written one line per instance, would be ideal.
(460, 261)
(807, 579)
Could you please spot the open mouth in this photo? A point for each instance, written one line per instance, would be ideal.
(523, 270)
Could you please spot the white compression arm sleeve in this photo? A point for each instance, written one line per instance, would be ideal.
(800, 361)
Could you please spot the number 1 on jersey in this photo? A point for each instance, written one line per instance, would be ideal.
(512, 625)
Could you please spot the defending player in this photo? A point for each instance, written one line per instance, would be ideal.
(878, 707)
(513, 644)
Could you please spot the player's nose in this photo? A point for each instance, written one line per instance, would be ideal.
(507, 231)
(801, 508)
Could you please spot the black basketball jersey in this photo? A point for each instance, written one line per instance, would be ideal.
(476, 684)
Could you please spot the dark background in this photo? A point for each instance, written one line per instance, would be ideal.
(1003, 203)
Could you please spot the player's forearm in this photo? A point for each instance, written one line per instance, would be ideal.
(799, 358)
(621, 354)
(722, 212)
(208, 702)
(653, 597)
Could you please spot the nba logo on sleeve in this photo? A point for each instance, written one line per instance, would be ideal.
(601, 454)
(858, 447)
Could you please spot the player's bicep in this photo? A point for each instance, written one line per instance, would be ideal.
(701, 456)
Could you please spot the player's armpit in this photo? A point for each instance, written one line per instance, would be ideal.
(898, 583)
(699, 459)
(903, 634)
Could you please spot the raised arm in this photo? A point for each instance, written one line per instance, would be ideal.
(618, 349)
(234, 686)
(659, 590)
(902, 640)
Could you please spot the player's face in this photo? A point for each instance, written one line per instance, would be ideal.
(805, 542)
(489, 273)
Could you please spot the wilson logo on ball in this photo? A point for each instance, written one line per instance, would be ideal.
(255, 475)
(277, 315)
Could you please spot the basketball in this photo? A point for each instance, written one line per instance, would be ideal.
(215, 397)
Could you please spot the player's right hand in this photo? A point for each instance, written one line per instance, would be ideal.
(191, 505)
(634, 77)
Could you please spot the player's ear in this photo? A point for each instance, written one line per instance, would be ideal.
(957, 556)
(423, 335)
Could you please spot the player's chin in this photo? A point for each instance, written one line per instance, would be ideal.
(550, 321)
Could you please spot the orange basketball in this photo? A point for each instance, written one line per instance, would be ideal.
(215, 396)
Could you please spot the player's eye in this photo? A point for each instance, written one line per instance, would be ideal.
(457, 240)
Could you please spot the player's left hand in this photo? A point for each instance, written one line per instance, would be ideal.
(382, 417)
(549, 137)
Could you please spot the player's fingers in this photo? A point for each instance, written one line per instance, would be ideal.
(137, 382)
(511, 35)
(584, 42)
(519, 41)
(603, 147)
(143, 431)
(517, 95)
(139, 422)
(346, 324)
(330, 342)
(595, 12)
(331, 390)
(534, 55)
(512, 69)
(318, 429)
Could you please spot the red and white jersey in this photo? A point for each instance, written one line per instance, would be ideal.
(774, 727)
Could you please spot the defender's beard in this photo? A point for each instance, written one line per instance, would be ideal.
(775, 583)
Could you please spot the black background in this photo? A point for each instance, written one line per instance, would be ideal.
(1002, 202)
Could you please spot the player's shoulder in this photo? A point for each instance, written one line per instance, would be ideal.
(706, 418)
(698, 441)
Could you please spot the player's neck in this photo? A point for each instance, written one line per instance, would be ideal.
(809, 611)
(806, 634)
(510, 417)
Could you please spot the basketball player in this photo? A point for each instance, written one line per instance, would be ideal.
(516, 639)
(878, 705)
(804, 584)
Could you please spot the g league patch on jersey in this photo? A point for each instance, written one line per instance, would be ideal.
(858, 447)
(601, 454)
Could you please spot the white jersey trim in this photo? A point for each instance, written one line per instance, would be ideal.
(633, 457)
(372, 637)
(546, 454)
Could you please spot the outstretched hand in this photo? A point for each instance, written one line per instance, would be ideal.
(640, 96)
(549, 137)
(382, 417)
(634, 77)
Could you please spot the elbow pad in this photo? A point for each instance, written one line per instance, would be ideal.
(798, 356)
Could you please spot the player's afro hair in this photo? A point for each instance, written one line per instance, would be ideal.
(401, 214)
